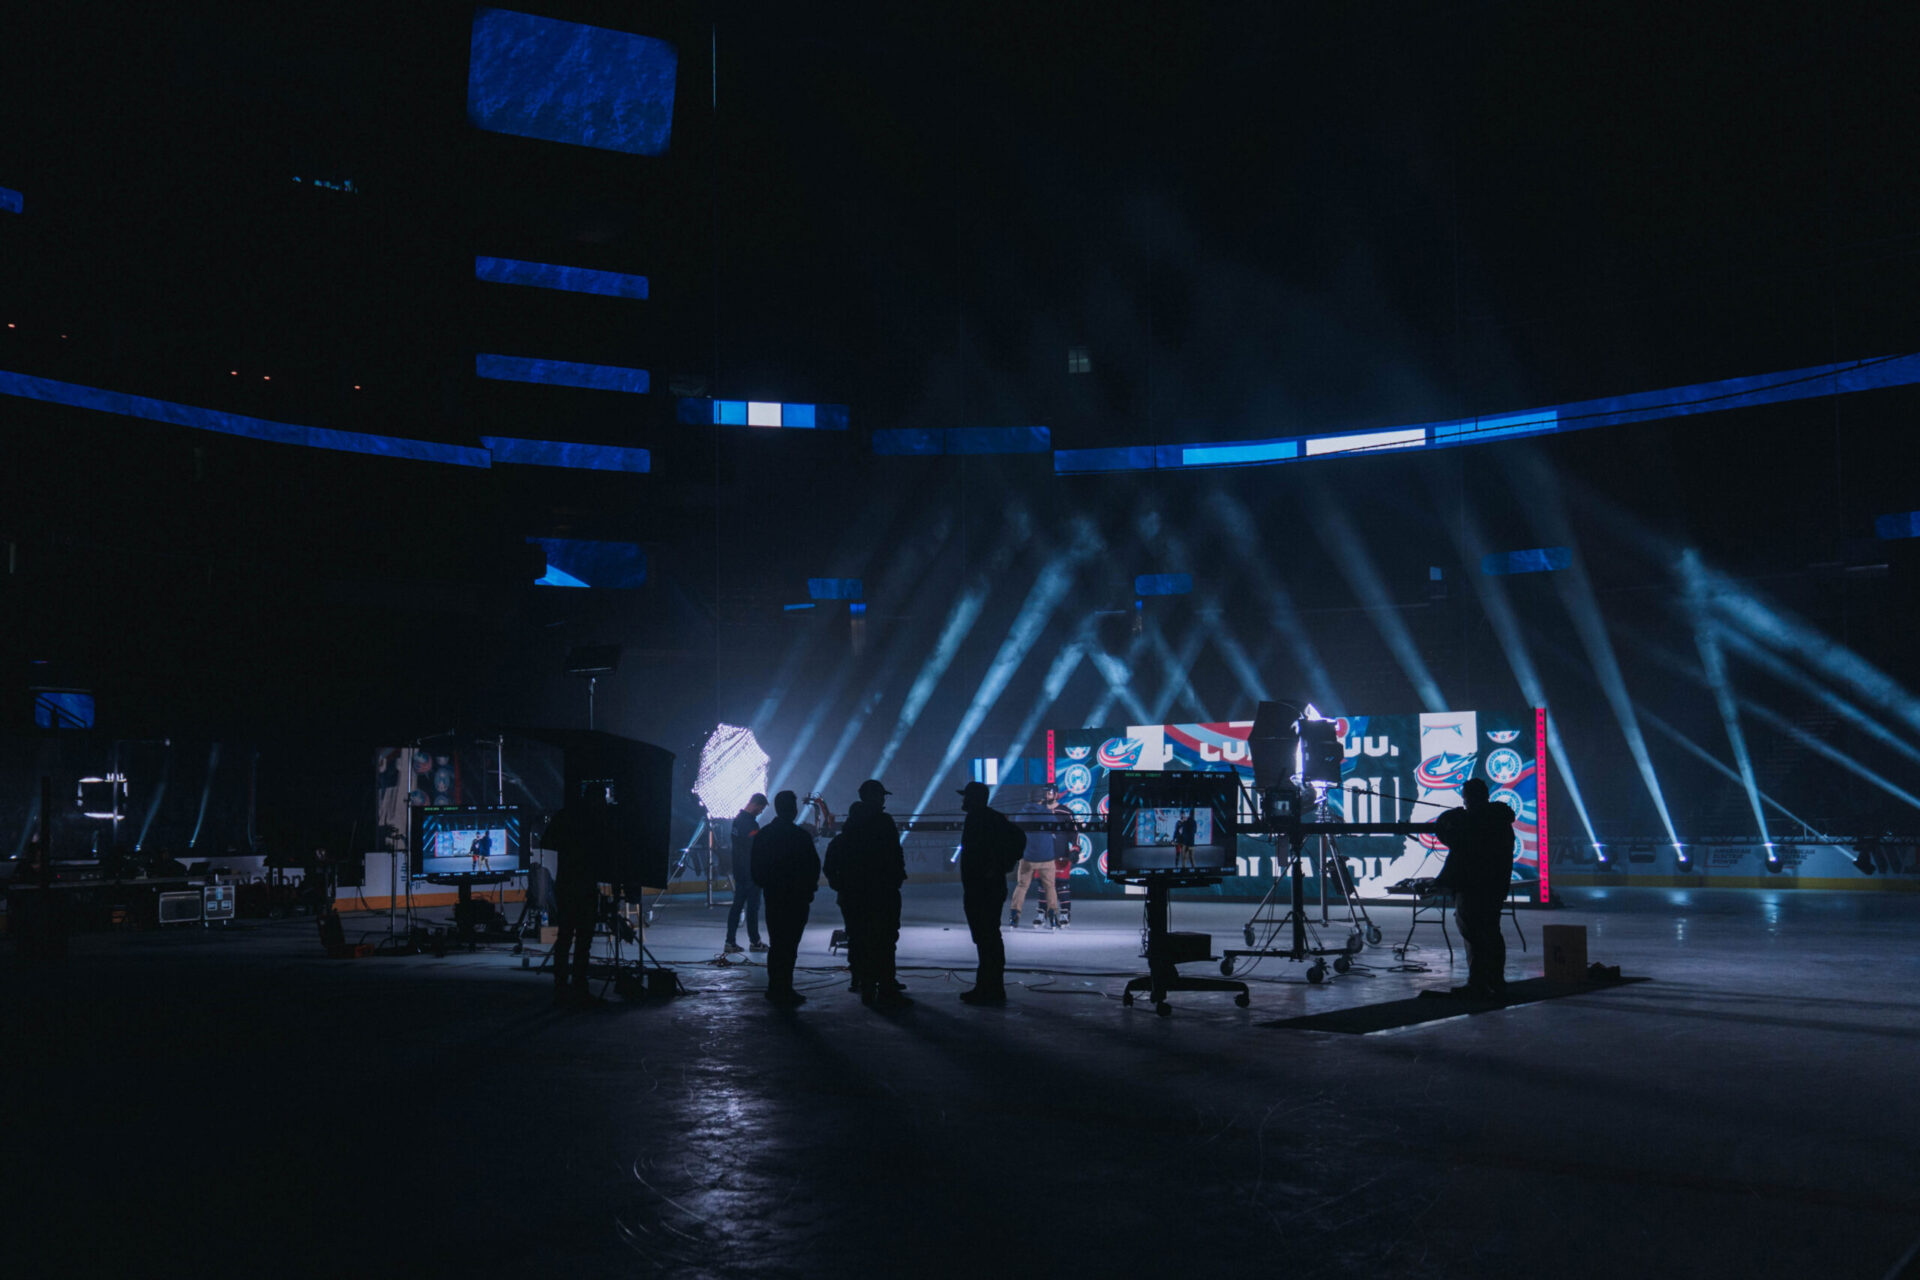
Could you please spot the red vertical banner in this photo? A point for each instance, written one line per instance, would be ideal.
(1540, 793)
(1049, 757)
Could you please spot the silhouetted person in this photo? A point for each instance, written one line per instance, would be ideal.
(835, 866)
(577, 834)
(1183, 833)
(746, 894)
(787, 871)
(1035, 861)
(872, 869)
(1479, 875)
(990, 847)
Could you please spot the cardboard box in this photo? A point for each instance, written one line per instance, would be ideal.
(1565, 946)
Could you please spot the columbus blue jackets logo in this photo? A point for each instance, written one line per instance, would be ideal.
(1444, 772)
(1521, 809)
(1079, 753)
(1503, 736)
(1101, 807)
(1504, 766)
(1120, 753)
(1076, 778)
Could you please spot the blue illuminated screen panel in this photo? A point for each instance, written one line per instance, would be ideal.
(835, 588)
(12, 201)
(1904, 524)
(698, 411)
(564, 82)
(1163, 584)
(573, 562)
(559, 453)
(562, 373)
(1532, 560)
(62, 709)
(548, 275)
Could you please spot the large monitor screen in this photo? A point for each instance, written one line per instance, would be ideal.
(458, 840)
(1171, 823)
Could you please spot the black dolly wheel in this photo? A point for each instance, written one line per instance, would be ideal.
(1341, 964)
(1243, 1000)
(1226, 967)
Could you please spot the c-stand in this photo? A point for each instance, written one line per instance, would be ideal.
(1305, 943)
(680, 865)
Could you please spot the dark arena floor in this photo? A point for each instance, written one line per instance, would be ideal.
(228, 1102)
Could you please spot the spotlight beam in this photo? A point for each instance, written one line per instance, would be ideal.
(897, 582)
(1546, 507)
(1118, 673)
(1043, 599)
(1065, 663)
(1784, 672)
(1344, 543)
(1246, 540)
(1506, 630)
(960, 622)
(1789, 635)
(1822, 749)
(1177, 668)
(1714, 663)
(1720, 767)
(1775, 720)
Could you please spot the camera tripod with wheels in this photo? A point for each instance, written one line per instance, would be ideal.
(1304, 943)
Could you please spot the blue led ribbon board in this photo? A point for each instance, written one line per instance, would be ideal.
(572, 562)
(562, 373)
(1163, 584)
(546, 275)
(697, 411)
(580, 457)
(1641, 406)
(835, 588)
(12, 201)
(1532, 560)
(563, 82)
(1074, 461)
(932, 441)
(1904, 524)
(234, 424)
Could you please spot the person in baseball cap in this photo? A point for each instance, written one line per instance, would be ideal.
(871, 791)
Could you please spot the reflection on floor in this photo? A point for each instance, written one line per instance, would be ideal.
(233, 1101)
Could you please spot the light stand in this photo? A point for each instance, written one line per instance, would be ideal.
(592, 661)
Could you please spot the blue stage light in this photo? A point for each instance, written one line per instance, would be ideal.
(234, 424)
(564, 82)
(581, 457)
(546, 275)
(1163, 584)
(561, 373)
